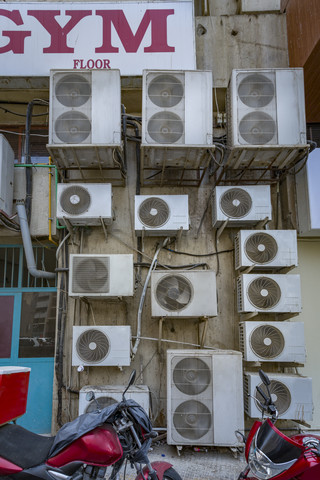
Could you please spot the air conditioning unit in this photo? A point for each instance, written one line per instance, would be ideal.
(183, 293)
(269, 293)
(100, 276)
(6, 176)
(84, 204)
(292, 395)
(161, 214)
(245, 205)
(84, 117)
(256, 6)
(176, 117)
(107, 395)
(266, 117)
(266, 249)
(272, 341)
(101, 346)
(204, 397)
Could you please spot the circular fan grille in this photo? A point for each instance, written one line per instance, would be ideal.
(165, 127)
(280, 395)
(75, 200)
(235, 203)
(154, 212)
(174, 292)
(264, 293)
(90, 275)
(256, 90)
(267, 341)
(103, 403)
(257, 128)
(192, 419)
(165, 91)
(72, 127)
(261, 248)
(73, 90)
(92, 346)
(191, 376)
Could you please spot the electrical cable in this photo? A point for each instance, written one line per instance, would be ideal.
(199, 254)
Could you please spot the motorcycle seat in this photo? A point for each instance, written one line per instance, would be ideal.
(23, 448)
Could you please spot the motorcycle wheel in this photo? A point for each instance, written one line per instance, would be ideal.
(171, 474)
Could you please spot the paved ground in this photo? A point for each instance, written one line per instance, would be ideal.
(213, 464)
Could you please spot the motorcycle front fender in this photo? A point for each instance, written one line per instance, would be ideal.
(159, 467)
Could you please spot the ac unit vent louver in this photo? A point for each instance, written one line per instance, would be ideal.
(166, 90)
(154, 212)
(279, 393)
(267, 341)
(256, 90)
(174, 292)
(73, 90)
(197, 397)
(75, 200)
(93, 346)
(264, 293)
(236, 203)
(261, 248)
(91, 275)
(103, 403)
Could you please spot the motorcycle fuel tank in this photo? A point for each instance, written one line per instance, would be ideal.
(100, 447)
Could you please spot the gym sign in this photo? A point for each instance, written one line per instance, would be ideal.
(36, 37)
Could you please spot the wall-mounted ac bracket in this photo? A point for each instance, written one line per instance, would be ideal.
(201, 336)
(260, 225)
(221, 228)
(248, 316)
(285, 316)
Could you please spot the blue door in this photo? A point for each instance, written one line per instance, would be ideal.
(27, 323)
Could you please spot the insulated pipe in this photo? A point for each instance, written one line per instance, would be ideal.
(26, 238)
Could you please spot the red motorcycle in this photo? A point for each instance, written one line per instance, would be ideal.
(84, 448)
(271, 454)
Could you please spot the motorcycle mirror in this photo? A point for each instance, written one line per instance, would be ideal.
(90, 396)
(264, 378)
(130, 382)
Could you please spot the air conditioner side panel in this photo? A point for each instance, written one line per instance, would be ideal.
(227, 398)
(198, 108)
(121, 275)
(291, 107)
(6, 175)
(139, 393)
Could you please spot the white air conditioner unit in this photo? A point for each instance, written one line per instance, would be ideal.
(266, 117)
(258, 6)
(245, 205)
(272, 341)
(109, 394)
(161, 214)
(176, 116)
(6, 176)
(183, 293)
(292, 395)
(266, 249)
(84, 116)
(204, 397)
(100, 276)
(101, 345)
(276, 293)
(85, 203)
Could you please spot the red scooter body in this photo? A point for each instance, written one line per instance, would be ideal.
(100, 447)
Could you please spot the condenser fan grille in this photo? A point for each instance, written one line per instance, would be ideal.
(256, 90)
(235, 203)
(174, 292)
(165, 91)
(267, 341)
(261, 248)
(280, 395)
(154, 212)
(257, 128)
(264, 293)
(192, 419)
(191, 376)
(75, 200)
(92, 346)
(91, 275)
(72, 127)
(103, 403)
(165, 127)
(73, 90)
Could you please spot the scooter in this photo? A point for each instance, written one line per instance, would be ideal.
(271, 454)
(84, 448)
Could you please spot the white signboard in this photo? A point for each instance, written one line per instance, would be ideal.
(36, 37)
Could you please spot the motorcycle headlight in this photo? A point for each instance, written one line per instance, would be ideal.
(262, 467)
